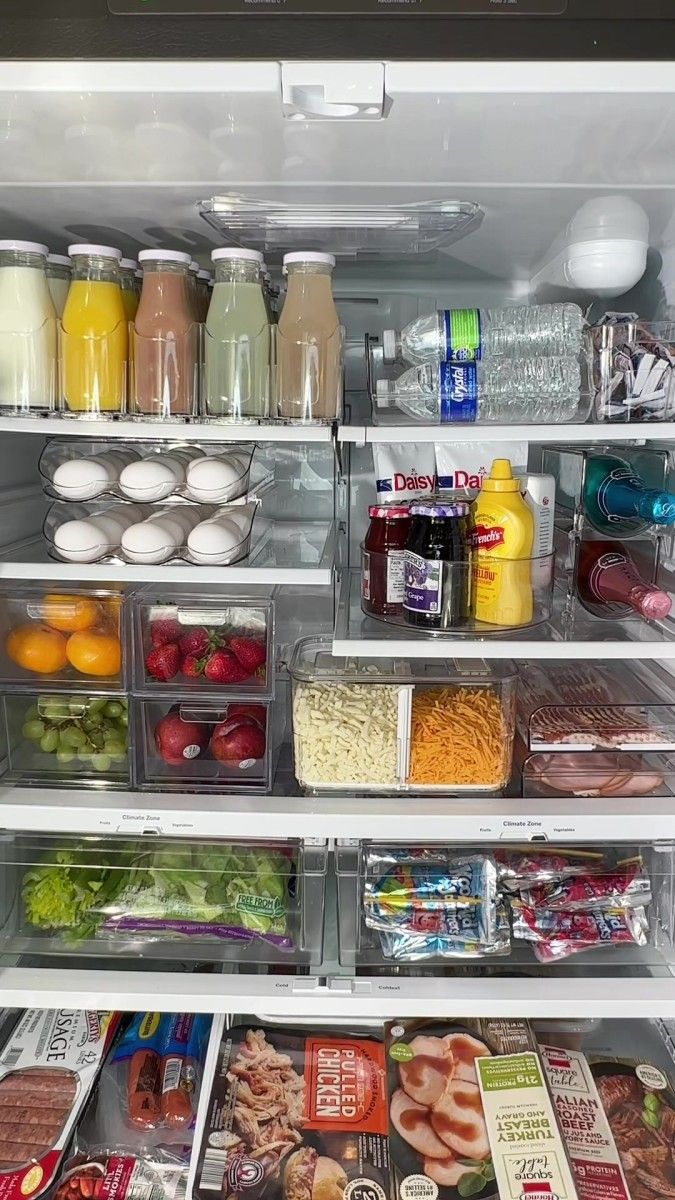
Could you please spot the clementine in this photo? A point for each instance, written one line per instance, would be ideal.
(70, 613)
(94, 653)
(37, 648)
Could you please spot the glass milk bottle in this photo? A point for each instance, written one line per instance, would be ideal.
(129, 286)
(309, 341)
(94, 341)
(165, 339)
(28, 334)
(58, 280)
(237, 339)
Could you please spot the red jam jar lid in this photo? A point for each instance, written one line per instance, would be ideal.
(391, 512)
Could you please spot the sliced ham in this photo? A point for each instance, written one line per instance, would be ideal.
(457, 1119)
(446, 1172)
(411, 1121)
(425, 1078)
(464, 1050)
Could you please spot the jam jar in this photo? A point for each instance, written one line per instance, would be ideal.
(383, 574)
(437, 561)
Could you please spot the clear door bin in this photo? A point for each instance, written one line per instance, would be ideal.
(94, 373)
(392, 725)
(28, 371)
(72, 638)
(202, 745)
(164, 371)
(634, 371)
(237, 378)
(598, 773)
(590, 909)
(221, 644)
(66, 739)
(249, 902)
(146, 472)
(579, 707)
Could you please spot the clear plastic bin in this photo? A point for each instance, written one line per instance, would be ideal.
(164, 376)
(29, 372)
(202, 745)
(125, 532)
(391, 725)
(309, 378)
(71, 637)
(457, 909)
(249, 902)
(529, 581)
(609, 579)
(634, 371)
(203, 644)
(94, 373)
(66, 739)
(579, 472)
(598, 773)
(84, 470)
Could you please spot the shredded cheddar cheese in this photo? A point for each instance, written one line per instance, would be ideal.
(458, 736)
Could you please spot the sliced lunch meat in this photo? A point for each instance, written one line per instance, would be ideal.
(411, 1121)
(446, 1172)
(425, 1078)
(464, 1050)
(458, 1120)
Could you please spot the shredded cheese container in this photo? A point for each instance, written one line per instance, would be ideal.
(399, 725)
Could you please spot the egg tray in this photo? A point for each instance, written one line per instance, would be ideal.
(59, 451)
(117, 556)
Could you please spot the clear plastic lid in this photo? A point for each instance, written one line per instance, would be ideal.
(313, 660)
(236, 252)
(94, 251)
(176, 256)
(24, 247)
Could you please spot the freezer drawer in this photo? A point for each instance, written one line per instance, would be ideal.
(193, 901)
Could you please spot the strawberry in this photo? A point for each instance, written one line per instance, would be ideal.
(223, 667)
(163, 662)
(193, 666)
(165, 630)
(196, 641)
(250, 652)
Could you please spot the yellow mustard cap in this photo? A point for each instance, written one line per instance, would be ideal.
(501, 478)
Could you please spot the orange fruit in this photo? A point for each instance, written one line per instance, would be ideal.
(70, 613)
(94, 653)
(37, 648)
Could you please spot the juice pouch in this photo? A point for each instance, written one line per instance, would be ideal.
(501, 539)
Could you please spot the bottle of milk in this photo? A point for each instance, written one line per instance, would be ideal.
(27, 330)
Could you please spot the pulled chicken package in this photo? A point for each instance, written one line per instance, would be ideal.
(291, 1114)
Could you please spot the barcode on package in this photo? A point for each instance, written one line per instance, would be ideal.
(213, 1170)
(171, 1074)
(12, 1056)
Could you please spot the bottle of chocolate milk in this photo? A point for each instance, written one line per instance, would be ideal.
(309, 341)
(165, 339)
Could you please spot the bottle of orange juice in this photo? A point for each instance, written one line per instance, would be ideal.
(502, 537)
(94, 339)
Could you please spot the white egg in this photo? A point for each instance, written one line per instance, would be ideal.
(112, 529)
(242, 515)
(152, 541)
(81, 541)
(149, 479)
(83, 478)
(214, 541)
(214, 479)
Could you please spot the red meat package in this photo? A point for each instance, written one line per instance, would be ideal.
(47, 1070)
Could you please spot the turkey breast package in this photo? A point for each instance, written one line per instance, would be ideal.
(291, 1114)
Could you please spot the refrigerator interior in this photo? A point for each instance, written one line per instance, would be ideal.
(124, 153)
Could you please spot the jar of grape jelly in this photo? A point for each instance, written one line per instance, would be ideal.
(383, 573)
(437, 565)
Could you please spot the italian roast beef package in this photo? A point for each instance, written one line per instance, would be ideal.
(291, 1114)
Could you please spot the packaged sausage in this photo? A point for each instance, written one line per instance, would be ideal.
(291, 1115)
(48, 1067)
(114, 1173)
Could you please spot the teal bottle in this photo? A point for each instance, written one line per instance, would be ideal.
(618, 502)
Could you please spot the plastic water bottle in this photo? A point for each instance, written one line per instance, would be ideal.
(507, 390)
(467, 334)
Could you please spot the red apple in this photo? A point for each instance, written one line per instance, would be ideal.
(178, 741)
(237, 741)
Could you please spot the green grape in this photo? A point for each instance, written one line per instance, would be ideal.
(73, 736)
(77, 708)
(114, 749)
(113, 709)
(33, 730)
(65, 755)
(124, 719)
(101, 762)
(32, 713)
(97, 704)
(96, 738)
(85, 754)
(49, 741)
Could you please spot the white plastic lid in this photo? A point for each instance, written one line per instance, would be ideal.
(98, 251)
(177, 256)
(236, 252)
(59, 260)
(194, 266)
(129, 264)
(310, 256)
(203, 275)
(25, 247)
(389, 344)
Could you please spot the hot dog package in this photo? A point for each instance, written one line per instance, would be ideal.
(48, 1067)
(291, 1115)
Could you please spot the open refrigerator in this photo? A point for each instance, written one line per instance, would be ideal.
(437, 183)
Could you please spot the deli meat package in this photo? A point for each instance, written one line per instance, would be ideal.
(639, 1103)
(289, 1114)
(48, 1067)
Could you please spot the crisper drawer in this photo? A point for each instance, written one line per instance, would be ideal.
(593, 909)
(156, 898)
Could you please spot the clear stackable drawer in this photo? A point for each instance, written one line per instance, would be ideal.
(71, 637)
(66, 739)
(254, 902)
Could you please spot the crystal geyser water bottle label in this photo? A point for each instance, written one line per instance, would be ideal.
(462, 334)
(459, 392)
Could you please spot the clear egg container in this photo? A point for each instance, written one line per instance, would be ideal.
(113, 533)
(146, 472)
